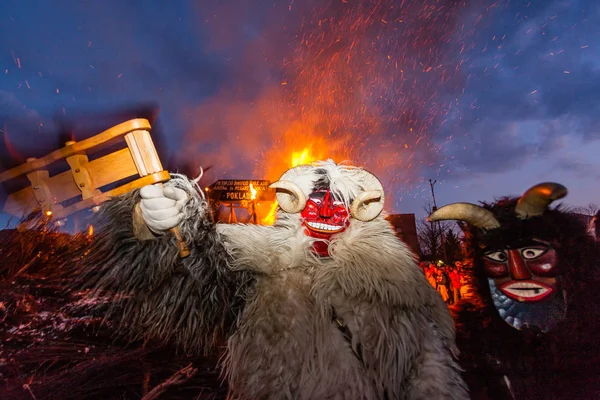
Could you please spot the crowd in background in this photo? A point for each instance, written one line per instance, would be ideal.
(448, 280)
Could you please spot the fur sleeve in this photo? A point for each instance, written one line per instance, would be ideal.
(153, 293)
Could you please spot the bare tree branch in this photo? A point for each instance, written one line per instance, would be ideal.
(432, 235)
(179, 377)
(590, 209)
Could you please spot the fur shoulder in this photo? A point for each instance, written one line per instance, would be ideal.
(369, 261)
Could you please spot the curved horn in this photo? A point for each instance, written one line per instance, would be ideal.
(470, 213)
(535, 200)
(369, 204)
(290, 197)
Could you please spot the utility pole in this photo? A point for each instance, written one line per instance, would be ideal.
(433, 194)
(438, 223)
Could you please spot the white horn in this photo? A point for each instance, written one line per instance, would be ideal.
(290, 197)
(470, 213)
(369, 204)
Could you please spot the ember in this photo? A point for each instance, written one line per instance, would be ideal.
(364, 82)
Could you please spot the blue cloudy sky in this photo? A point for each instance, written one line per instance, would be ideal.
(487, 98)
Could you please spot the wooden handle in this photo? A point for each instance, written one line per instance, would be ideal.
(184, 251)
(146, 161)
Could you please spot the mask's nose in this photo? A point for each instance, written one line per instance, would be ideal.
(516, 265)
(326, 206)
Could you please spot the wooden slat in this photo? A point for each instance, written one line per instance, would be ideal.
(81, 175)
(143, 152)
(41, 191)
(148, 152)
(158, 177)
(62, 187)
(134, 149)
(161, 176)
(111, 168)
(101, 138)
(103, 171)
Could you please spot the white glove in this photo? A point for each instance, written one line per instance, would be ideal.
(161, 207)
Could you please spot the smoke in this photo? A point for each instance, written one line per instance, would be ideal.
(369, 82)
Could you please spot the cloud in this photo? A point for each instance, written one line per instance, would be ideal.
(11, 107)
(450, 91)
(578, 167)
(241, 85)
(349, 80)
(534, 80)
(579, 158)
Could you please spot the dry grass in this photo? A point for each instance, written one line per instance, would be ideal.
(53, 342)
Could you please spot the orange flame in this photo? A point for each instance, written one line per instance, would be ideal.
(316, 146)
(270, 218)
(304, 156)
(253, 192)
(363, 82)
(90, 231)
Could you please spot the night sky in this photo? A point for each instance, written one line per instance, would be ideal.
(487, 99)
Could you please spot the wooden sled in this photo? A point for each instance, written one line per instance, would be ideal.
(83, 181)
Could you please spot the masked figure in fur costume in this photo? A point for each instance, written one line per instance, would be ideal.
(530, 331)
(325, 304)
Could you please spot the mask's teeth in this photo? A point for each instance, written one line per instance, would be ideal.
(324, 227)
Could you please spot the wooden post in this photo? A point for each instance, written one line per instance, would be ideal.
(254, 216)
(81, 175)
(232, 216)
(41, 191)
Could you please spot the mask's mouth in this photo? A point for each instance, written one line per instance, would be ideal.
(526, 291)
(323, 227)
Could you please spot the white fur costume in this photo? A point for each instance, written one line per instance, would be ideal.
(361, 324)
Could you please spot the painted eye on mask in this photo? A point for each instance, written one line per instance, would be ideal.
(530, 253)
(497, 256)
(312, 209)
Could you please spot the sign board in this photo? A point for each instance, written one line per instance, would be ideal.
(234, 191)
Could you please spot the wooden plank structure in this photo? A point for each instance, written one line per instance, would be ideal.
(87, 183)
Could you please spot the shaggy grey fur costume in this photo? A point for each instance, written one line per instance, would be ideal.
(361, 324)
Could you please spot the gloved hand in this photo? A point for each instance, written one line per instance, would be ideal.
(162, 207)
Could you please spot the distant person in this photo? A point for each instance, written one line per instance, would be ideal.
(442, 285)
(432, 276)
(455, 284)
